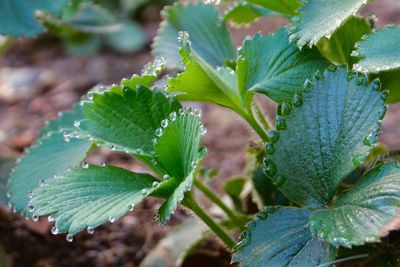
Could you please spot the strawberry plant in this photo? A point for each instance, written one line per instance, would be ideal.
(331, 75)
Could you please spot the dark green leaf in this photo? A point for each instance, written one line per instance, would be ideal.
(379, 51)
(207, 32)
(91, 196)
(323, 140)
(391, 82)
(127, 122)
(339, 47)
(319, 18)
(51, 155)
(282, 238)
(279, 72)
(359, 214)
(234, 188)
(17, 16)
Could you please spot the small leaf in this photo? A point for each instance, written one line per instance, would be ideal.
(51, 155)
(91, 196)
(202, 82)
(379, 51)
(339, 47)
(281, 238)
(203, 22)
(320, 18)
(177, 151)
(323, 140)
(127, 122)
(128, 39)
(391, 83)
(359, 214)
(288, 7)
(234, 188)
(279, 72)
(17, 16)
(244, 13)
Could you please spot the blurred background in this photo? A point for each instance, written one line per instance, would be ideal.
(41, 76)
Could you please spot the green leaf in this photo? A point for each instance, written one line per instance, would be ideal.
(234, 188)
(279, 72)
(208, 33)
(323, 140)
(379, 51)
(288, 7)
(339, 47)
(319, 18)
(127, 122)
(281, 238)
(202, 82)
(245, 13)
(391, 82)
(51, 155)
(6, 165)
(88, 197)
(17, 16)
(177, 152)
(359, 214)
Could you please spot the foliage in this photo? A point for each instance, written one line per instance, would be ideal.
(327, 72)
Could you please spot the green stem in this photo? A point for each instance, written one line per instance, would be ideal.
(261, 116)
(249, 117)
(191, 203)
(216, 200)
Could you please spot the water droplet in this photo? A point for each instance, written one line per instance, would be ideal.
(50, 218)
(30, 207)
(262, 215)
(361, 80)
(158, 132)
(245, 240)
(41, 182)
(67, 138)
(90, 95)
(165, 177)
(131, 207)
(284, 109)
(292, 28)
(371, 139)
(270, 168)
(154, 162)
(203, 130)
(297, 100)
(111, 219)
(35, 217)
(355, 53)
(273, 136)
(29, 194)
(164, 123)
(193, 164)
(54, 230)
(69, 238)
(376, 85)
(197, 112)
(112, 147)
(280, 123)
(384, 95)
(77, 124)
(90, 230)
(139, 151)
(270, 148)
(295, 19)
(155, 184)
(84, 164)
(103, 164)
(172, 116)
(181, 111)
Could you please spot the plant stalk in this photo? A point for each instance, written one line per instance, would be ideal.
(216, 200)
(191, 203)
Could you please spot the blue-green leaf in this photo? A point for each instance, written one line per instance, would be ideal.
(88, 197)
(281, 237)
(324, 139)
(319, 18)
